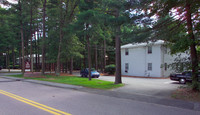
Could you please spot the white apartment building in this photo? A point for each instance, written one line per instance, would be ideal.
(147, 59)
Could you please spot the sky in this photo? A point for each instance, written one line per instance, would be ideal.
(11, 1)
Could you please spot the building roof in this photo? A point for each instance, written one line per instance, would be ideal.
(134, 45)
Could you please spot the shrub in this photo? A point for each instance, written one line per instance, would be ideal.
(110, 69)
(16, 67)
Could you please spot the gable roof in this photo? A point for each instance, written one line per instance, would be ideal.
(134, 45)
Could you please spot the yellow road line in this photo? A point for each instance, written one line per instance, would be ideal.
(35, 104)
(31, 104)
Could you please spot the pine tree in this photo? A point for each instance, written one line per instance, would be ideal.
(178, 22)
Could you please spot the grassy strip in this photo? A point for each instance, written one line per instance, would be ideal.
(18, 75)
(74, 80)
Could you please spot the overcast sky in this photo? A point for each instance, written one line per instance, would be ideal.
(11, 1)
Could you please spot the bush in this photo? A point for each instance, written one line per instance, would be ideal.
(195, 85)
(110, 69)
(16, 67)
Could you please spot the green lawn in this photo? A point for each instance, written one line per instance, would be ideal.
(18, 75)
(74, 80)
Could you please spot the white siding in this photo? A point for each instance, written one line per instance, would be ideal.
(155, 59)
(138, 60)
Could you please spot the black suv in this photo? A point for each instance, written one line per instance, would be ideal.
(183, 77)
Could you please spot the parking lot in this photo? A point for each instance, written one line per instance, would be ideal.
(146, 86)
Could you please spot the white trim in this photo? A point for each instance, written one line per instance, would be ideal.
(133, 45)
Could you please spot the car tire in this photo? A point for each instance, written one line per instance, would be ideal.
(182, 81)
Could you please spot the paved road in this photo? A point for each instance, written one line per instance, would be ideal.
(10, 106)
(75, 102)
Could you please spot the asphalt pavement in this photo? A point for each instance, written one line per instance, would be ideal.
(146, 86)
(9, 106)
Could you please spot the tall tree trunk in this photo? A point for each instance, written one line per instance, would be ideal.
(31, 60)
(22, 36)
(66, 64)
(59, 51)
(117, 53)
(71, 65)
(54, 67)
(102, 58)
(36, 53)
(25, 42)
(81, 61)
(84, 59)
(104, 51)
(193, 51)
(96, 62)
(61, 23)
(117, 60)
(8, 59)
(89, 55)
(44, 36)
(13, 56)
(20, 55)
(63, 70)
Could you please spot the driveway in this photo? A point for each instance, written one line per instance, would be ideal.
(144, 86)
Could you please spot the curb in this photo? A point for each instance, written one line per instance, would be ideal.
(59, 85)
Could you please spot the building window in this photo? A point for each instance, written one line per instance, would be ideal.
(126, 67)
(149, 66)
(149, 49)
(165, 66)
(126, 51)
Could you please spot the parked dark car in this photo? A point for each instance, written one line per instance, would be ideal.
(183, 77)
(85, 73)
